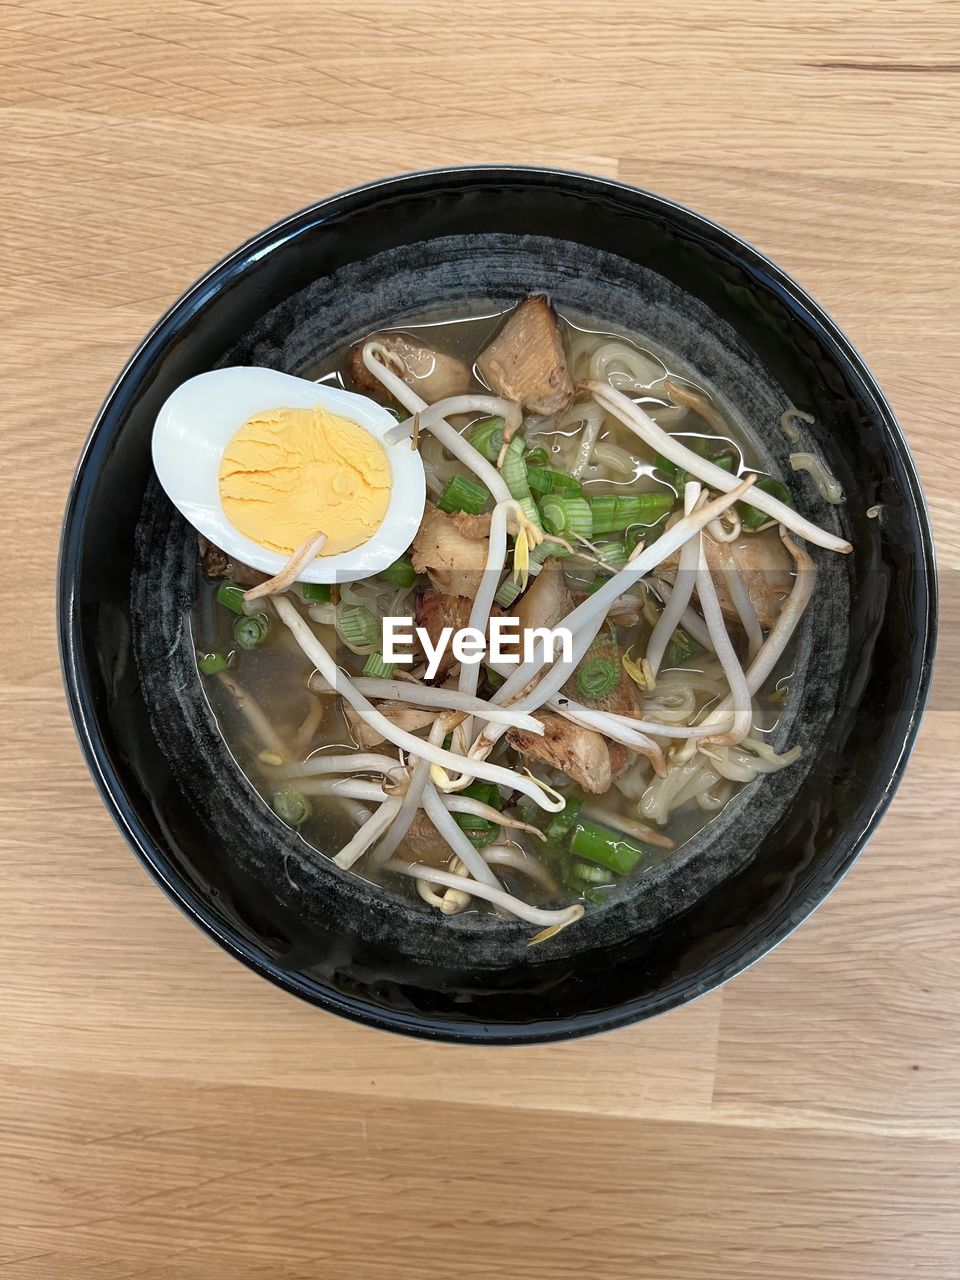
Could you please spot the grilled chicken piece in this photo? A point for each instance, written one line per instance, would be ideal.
(765, 567)
(432, 374)
(580, 753)
(435, 611)
(593, 760)
(402, 714)
(424, 843)
(547, 600)
(451, 550)
(526, 360)
(217, 564)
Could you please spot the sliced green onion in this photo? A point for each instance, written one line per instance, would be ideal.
(613, 512)
(316, 591)
(544, 480)
(514, 469)
(507, 592)
(229, 594)
(547, 549)
(591, 874)
(567, 516)
(400, 414)
(401, 573)
(485, 792)
(358, 626)
(251, 633)
(561, 824)
(594, 894)
(480, 831)
(606, 848)
(596, 677)
(536, 457)
(291, 806)
(752, 517)
(682, 646)
(463, 494)
(376, 667)
(613, 554)
(211, 663)
(514, 472)
(487, 437)
(701, 445)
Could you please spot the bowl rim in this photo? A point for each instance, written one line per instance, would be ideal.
(122, 393)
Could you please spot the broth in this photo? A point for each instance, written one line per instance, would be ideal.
(690, 682)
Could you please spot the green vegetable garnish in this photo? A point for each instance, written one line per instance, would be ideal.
(229, 594)
(251, 633)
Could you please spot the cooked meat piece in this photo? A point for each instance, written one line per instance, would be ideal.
(402, 714)
(526, 360)
(547, 601)
(764, 564)
(451, 550)
(435, 611)
(433, 375)
(584, 756)
(217, 564)
(424, 843)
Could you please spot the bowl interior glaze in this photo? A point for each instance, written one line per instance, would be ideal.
(369, 257)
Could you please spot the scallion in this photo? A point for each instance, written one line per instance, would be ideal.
(480, 831)
(613, 512)
(487, 437)
(589, 873)
(536, 457)
(514, 472)
(561, 824)
(546, 480)
(704, 447)
(546, 549)
(229, 594)
(567, 516)
(682, 646)
(210, 663)
(377, 668)
(358, 627)
(463, 494)
(401, 573)
(291, 806)
(612, 554)
(606, 848)
(507, 592)
(597, 677)
(316, 592)
(753, 517)
(251, 633)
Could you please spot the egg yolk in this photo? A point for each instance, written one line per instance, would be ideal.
(289, 473)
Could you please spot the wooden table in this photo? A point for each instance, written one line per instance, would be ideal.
(163, 1112)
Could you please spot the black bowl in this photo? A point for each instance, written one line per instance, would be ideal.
(127, 574)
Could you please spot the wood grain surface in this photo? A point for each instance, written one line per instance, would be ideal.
(163, 1112)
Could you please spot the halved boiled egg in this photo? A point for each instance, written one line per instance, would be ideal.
(258, 461)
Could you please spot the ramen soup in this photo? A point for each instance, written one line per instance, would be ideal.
(577, 479)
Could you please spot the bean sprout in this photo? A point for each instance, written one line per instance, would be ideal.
(499, 897)
(318, 655)
(642, 424)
